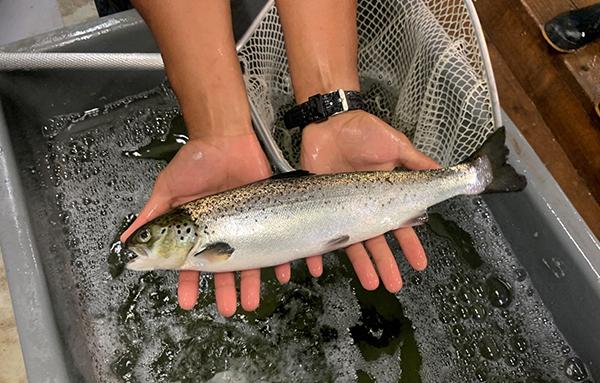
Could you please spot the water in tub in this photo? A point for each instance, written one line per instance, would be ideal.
(473, 315)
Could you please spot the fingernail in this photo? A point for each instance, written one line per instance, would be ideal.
(187, 304)
(371, 282)
(227, 309)
(283, 276)
(316, 271)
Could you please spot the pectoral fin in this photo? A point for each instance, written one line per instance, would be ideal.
(216, 252)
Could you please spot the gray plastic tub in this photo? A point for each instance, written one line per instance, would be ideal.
(561, 255)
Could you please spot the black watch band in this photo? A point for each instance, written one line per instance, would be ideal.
(320, 107)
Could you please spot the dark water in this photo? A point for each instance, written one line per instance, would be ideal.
(473, 315)
(163, 148)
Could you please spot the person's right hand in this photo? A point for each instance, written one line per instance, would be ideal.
(206, 166)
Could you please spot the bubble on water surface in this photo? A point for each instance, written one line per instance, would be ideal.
(575, 369)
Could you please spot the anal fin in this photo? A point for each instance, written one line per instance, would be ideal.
(338, 241)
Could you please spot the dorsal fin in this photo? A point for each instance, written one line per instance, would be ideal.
(292, 174)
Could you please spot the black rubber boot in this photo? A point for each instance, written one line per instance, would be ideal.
(572, 30)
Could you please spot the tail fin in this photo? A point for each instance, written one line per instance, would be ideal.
(504, 177)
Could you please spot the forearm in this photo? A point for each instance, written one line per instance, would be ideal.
(321, 44)
(198, 48)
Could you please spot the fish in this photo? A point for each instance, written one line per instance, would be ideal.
(297, 214)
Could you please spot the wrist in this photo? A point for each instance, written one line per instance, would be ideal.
(336, 120)
(325, 80)
(239, 147)
(205, 124)
(215, 104)
(213, 111)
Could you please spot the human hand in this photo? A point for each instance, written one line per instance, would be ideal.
(359, 141)
(206, 166)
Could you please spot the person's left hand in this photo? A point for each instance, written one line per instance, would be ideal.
(359, 141)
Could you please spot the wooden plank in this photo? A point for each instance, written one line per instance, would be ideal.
(581, 68)
(585, 65)
(544, 10)
(508, 25)
(530, 122)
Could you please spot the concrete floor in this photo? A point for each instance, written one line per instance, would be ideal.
(20, 19)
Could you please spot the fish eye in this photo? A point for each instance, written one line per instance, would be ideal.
(144, 236)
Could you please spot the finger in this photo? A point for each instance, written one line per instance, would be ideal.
(187, 289)
(386, 263)
(154, 207)
(315, 265)
(363, 266)
(225, 293)
(250, 289)
(415, 160)
(409, 157)
(283, 273)
(412, 248)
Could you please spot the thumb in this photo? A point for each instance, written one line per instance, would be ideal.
(409, 157)
(155, 206)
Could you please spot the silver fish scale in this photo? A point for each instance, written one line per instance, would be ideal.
(280, 220)
(295, 189)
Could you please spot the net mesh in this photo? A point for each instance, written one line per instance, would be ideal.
(420, 68)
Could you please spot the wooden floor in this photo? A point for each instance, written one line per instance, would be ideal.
(552, 97)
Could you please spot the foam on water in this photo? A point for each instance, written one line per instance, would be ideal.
(472, 315)
(488, 320)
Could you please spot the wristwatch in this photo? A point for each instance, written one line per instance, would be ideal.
(320, 107)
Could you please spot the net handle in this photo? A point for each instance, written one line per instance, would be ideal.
(487, 63)
(262, 130)
(13, 61)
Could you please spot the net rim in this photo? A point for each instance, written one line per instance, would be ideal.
(274, 153)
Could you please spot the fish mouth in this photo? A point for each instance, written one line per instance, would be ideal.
(137, 251)
(136, 258)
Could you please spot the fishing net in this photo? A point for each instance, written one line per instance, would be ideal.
(421, 70)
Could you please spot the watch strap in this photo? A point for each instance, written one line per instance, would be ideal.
(320, 107)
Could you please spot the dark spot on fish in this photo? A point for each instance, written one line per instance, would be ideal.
(181, 238)
(163, 230)
(178, 232)
(178, 226)
(188, 230)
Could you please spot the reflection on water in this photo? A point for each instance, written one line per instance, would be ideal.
(163, 148)
(472, 315)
